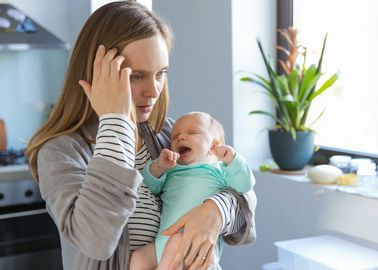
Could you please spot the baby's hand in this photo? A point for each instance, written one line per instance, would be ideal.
(225, 153)
(167, 159)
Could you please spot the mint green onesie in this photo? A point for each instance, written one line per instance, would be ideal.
(187, 186)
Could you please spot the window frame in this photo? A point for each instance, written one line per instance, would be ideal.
(285, 17)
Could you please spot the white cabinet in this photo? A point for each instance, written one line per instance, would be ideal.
(324, 253)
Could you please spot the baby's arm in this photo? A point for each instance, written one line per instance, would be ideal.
(166, 160)
(144, 258)
(170, 251)
(225, 153)
(154, 172)
(238, 175)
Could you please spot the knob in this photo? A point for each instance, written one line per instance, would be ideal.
(29, 193)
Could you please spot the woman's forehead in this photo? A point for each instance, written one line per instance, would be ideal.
(147, 55)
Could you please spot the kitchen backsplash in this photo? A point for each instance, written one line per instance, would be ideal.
(30, 82)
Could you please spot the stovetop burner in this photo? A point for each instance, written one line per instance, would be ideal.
(12, 157)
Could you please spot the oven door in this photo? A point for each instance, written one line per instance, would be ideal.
(28, 239)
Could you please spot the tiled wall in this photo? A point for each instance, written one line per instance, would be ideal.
(29, 83)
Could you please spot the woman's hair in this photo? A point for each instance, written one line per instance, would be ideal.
(114, 25)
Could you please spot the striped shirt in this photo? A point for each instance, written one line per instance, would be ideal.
(116, 141)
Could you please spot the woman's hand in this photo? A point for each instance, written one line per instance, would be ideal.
(202, 226)
(110, 91)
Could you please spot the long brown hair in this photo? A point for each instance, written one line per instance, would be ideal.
(114, 25)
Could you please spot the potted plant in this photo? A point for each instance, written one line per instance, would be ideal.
(291, 140)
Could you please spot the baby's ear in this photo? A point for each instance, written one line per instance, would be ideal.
(216, 142)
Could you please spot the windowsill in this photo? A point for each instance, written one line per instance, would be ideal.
(355, 190)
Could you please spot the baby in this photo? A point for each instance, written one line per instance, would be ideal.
(198, 166)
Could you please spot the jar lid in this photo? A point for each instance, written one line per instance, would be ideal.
(340, 160)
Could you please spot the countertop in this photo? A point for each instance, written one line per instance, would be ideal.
(15, 172)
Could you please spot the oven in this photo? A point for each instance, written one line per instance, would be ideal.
(28, 236)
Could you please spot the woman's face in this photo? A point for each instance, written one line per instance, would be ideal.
(148, 59)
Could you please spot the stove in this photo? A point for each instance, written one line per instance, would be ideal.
(18, 189)
(28, 235)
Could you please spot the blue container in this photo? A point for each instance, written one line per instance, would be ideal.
(290, 154)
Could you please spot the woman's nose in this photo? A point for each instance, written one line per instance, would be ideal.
(152, 89)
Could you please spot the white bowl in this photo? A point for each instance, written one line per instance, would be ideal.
(324, 174)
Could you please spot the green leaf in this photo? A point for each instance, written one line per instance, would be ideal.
(283, 85)
(293, 110)
(246, 79)
(265, 167)
(262, 79)
(322, 54)
(317, 118)
(260, 82)
(268, 114)
(294, 82)
(325, 86)
(293, 133)
(288, 97)
(310, 78)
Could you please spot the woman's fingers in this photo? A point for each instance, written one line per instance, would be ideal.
(125, 77)
(110, 90)
(197, 253)
(176, 226)
(87, 88)
(180, 255)
(115, 68)
(97, 63)
(201, 226)
(184, 244)
(106, 62)
(209, 259)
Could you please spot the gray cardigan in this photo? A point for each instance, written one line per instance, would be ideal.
(91, 199)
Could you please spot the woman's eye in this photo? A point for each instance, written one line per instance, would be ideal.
(161, 74)
(136, 77)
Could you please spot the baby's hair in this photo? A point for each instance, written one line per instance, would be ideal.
(215, 125)
(217, 129)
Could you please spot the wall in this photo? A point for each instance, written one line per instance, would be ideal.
(200, 73)
(251, 20)
(29, 83)
(287, 210)
(213, 41)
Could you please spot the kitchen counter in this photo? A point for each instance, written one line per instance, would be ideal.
(15, 172)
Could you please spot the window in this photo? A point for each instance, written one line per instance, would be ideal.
(351, 106)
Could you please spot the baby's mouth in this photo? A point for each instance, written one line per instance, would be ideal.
(183, 150)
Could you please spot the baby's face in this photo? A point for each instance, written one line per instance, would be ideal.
(192, 138)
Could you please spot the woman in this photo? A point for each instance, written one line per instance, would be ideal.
(86, 157)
